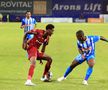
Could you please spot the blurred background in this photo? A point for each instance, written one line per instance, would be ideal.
(81, 11)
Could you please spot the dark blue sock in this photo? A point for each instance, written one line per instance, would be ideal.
(69, 69)
(88, 73)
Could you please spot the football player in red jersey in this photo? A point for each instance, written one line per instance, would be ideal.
(41, 37)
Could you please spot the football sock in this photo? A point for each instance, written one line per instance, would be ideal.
(47, 67)
(88, 73)
(31, 71)
(69, 69)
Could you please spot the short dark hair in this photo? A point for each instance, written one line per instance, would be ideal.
(80, 32)
(49, 26)
(28, 11)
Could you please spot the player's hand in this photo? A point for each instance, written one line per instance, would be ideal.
(45, 43)
(23, 26)
(41, 62)
(24, 46)
(83, 56)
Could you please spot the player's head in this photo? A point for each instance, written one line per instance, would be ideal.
(28, 14)
(80, 36)
(50, 29)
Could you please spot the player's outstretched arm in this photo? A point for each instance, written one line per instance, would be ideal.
(103, 39)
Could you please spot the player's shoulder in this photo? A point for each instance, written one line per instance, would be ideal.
(40, 30)
(93, 36)
(23, 19)
(33, 18)
(90, 36)
(78, 42)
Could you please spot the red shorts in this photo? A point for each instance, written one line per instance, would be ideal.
(33, 51)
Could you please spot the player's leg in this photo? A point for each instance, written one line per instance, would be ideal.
(32, 67)
(78, 60)
(31, 71)
(68, 70)
(32, 54)
(71, 67)
(89, 71)
(48, 64)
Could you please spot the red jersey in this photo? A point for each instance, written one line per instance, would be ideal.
(38, 39)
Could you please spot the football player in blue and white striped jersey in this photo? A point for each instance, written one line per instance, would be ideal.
(86, 47)
(28, 23)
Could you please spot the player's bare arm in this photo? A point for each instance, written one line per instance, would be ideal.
(22, 26)
(42, 51)
(43, 48)
(45, 44)
(29, 32)
(25, 41)
(25, 45)
(81, 52)
(103, 39)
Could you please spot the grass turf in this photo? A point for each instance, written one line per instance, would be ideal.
(62, 48)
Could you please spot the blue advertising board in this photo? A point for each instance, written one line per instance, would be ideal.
(56, 8)
(77, 8)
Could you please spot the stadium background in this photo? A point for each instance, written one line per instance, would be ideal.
(78, 10)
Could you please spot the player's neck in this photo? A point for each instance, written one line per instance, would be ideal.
(84, 40)
(45, 35)
(28, 17)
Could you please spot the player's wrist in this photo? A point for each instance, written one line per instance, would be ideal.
(83, 56)
(41, 54)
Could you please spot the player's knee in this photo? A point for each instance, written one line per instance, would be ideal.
(33, 62)
(49, 59)
(91, 64)
(74, 64)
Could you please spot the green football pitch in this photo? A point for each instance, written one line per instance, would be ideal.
(62, 48)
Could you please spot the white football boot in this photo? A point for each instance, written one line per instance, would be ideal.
(84, 82)
(29, 83)
(44, 79)
(61, 79)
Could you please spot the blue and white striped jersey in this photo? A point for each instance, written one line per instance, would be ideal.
(30, 22)
(88, 47)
